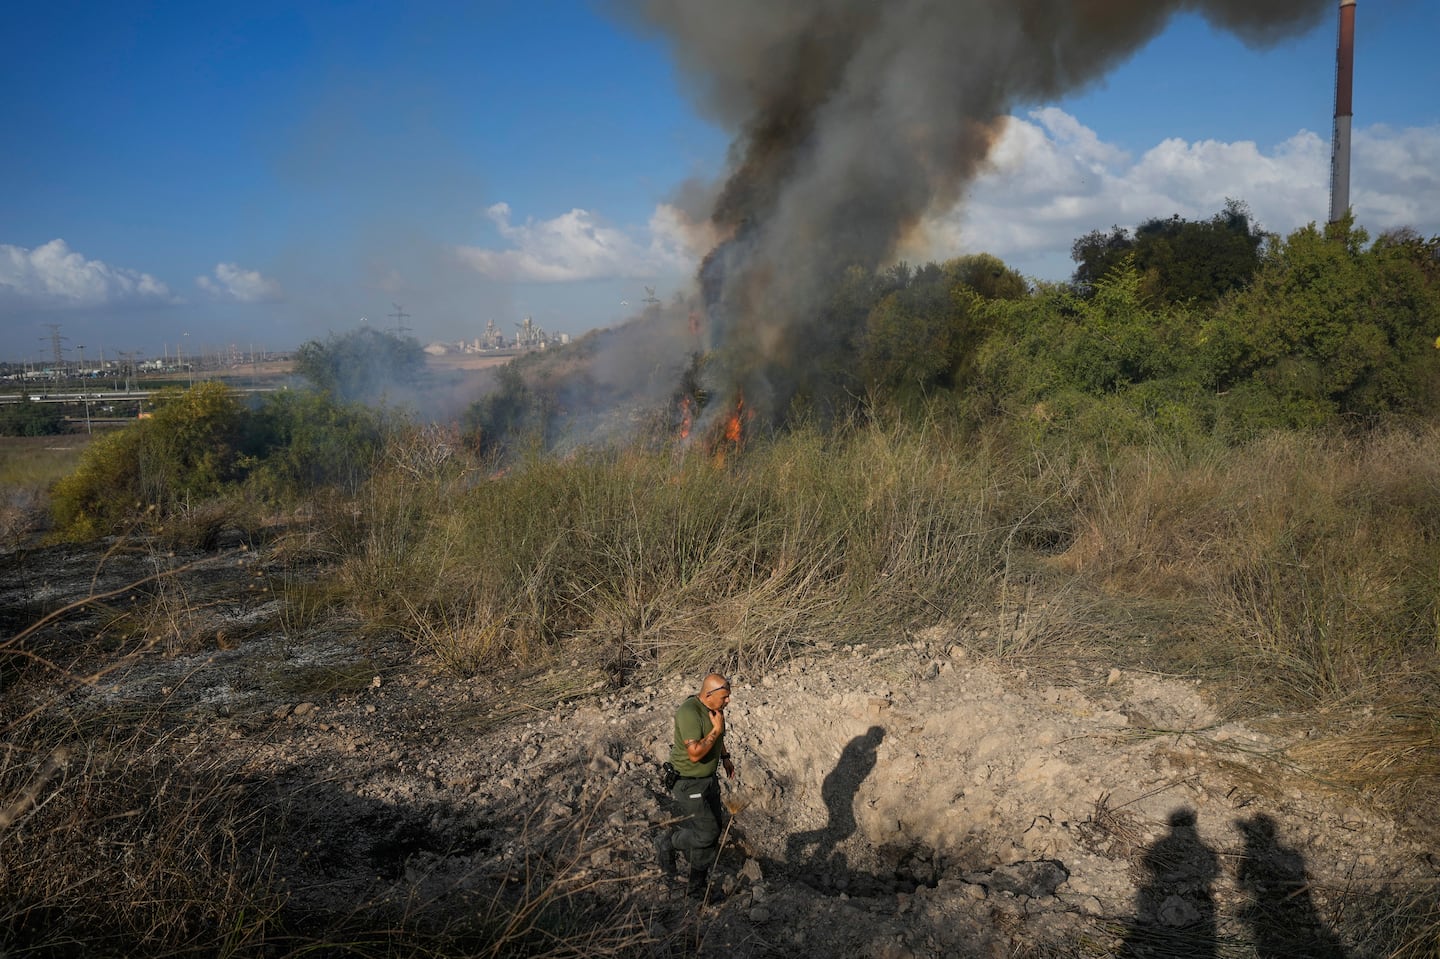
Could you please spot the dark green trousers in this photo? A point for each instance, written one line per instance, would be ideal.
(698, 833)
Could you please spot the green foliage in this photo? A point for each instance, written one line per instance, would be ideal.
(1115, 366)
(202, 444)
(1116, 339)
(27, 418)
(364, 365)
(188, 450)
(191, 444)
(911, 338)
(304, 441)
(921, 335)
(987, 276)
(104, 490)
(510, 417)
(1330, 329)
(1180, 261)
(205, 884)
(1333, 327)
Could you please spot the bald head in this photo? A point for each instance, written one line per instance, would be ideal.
(715, 691)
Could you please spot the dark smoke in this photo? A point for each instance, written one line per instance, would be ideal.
(854, 118)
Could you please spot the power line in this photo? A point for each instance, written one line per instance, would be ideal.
(55, 343)
(399, 316)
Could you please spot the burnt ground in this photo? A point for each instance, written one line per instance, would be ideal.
(909, 798)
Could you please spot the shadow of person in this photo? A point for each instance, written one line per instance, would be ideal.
(1280, 913)
(1175, 908)
(838, 791)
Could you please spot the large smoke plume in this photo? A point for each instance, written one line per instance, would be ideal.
(854, 118)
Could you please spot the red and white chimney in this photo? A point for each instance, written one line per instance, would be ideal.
(1340, 138)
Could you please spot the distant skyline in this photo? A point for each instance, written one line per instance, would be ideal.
(195, 176)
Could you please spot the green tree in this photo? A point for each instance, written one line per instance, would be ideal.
(987, 276)
(364, 365)
(191, 445)
(301, 441)
(104, 491)
(28, 418)
(1115, 365)
(508, 416)
(1097, 253)
(923, 333)
(1180, 261)
(1333, 325)
(909, 342)
(188, 450)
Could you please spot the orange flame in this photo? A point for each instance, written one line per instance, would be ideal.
(686, 419)
(732, 436)
(732, 424)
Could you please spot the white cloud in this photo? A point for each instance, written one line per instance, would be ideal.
(577, 246)
(244, 286)
(54, 275)
(1052, 180)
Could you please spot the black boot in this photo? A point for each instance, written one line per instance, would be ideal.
(665, 853)
(701, 888)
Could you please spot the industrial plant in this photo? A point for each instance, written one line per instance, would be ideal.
(529, 336)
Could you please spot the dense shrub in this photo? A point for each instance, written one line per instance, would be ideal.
(187, 451)
(660, 558)
(1330, 330)
(510, 417)
(104, 491)
(363, 365)
(1180, 261)
(1331, 326)
(25, 417)
(203, 443)
(301, 441)
(922, 334)
(192, 443)
(1115, 365)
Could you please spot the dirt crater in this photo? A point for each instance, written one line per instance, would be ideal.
(902, 799)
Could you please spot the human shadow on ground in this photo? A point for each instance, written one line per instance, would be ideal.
(817, 847)
(815, 856)
(1280, 913)
(1175, 908)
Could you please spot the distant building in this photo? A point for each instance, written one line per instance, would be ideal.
(529, 336)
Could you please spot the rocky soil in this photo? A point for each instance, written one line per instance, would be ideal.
(903, 798)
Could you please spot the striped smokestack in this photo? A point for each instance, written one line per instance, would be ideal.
(1340, 139)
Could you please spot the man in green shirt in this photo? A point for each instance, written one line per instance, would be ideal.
(699, 748)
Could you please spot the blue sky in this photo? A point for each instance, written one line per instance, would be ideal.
(261, 174)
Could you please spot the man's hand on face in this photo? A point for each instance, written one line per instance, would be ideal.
(717, 721)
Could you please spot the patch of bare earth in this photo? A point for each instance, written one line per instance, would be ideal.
(892, 800)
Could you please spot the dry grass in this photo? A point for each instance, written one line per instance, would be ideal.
(550, 900)
(125, 830)
(561, 906)
(1110, 831)
(1299, 573)
(28, 467)
(131, 841)
(1388, 751)
(37, 461)
(654, 558)
(119, 834)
